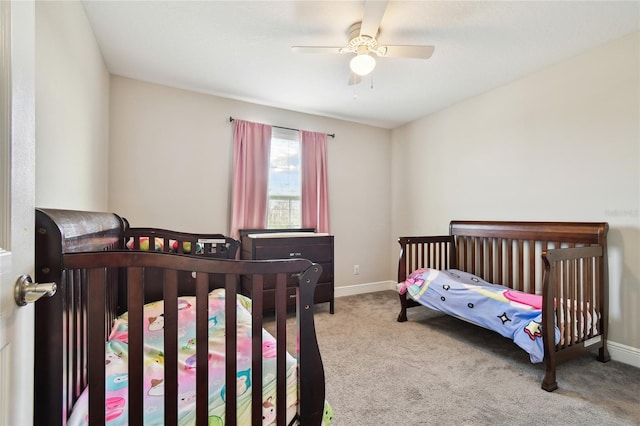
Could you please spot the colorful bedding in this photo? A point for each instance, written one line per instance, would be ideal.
(159, 245)
(511, 313)
(116, 367)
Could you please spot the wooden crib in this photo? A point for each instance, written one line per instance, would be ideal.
(557, 260)
(98, 279)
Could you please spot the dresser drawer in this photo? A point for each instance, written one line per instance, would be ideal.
(315, 252)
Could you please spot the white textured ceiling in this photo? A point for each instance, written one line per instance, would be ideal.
(242, 49)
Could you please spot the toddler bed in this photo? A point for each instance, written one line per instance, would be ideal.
(542, 284)
(107, 350)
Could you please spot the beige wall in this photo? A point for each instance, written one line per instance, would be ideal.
(170, 167)
(561, 144)
(72, 101)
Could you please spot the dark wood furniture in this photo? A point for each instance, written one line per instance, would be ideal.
(558, 260)
(216, 246)
(81, 252)
(317, 248)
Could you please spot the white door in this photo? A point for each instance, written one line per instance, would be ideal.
(17, 193)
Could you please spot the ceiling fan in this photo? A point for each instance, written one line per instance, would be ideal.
(363, 42)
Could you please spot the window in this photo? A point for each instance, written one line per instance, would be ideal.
(272, 168)
(285, 188)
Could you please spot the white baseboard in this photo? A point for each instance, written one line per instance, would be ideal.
(623, 353)
(619, 352)
(350, 290)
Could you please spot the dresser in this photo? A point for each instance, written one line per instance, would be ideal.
(265, 244)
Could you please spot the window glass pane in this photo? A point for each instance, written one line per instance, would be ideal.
(284, 180)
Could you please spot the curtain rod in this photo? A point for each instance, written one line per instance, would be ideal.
(332, 135)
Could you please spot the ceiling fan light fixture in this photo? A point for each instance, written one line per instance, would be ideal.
(362, 64)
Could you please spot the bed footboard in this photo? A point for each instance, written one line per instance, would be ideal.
(575, 293)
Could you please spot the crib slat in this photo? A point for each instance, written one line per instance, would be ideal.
(565, 299)
(202, 346)
(532, 267)
(599, 297)
(472, 244)
(497, 279)
(578, 316)
(281, 348)
(256, 348)
(76, 330)
(520, 284)
(414, 253)
(136, 360)
(589, 299)
(570, 301)
(583, 308)
(230, 349)
(96, 346)
(510, 276)
(490, 260)
(69, 330)
(170, 346)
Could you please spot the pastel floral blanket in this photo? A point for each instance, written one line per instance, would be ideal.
(116, 367)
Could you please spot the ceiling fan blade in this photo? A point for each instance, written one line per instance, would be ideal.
(373, 13)
(417, 52)
(354, 79)
(316, 49)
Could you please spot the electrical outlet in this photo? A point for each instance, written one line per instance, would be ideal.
(356, 269)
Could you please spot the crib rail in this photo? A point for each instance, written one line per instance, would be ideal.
(167, 241)
(211, 245)
(95, 270)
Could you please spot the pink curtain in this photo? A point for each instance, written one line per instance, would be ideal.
(315, 192)
(251, 145)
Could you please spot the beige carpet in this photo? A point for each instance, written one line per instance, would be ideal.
(436, 370)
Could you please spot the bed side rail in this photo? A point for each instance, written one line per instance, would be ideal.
(94, 268)
(575, 298)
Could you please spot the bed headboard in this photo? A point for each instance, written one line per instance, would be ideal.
(507, 253)
(510, 253)
(58, 232)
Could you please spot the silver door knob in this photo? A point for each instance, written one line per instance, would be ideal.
(26, 291)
